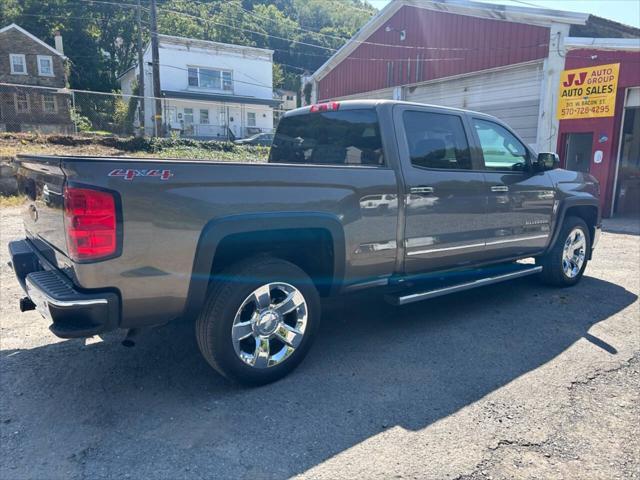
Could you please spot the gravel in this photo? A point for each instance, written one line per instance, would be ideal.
(510, 381)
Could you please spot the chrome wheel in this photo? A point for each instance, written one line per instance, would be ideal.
(574, 253)
(269, 325)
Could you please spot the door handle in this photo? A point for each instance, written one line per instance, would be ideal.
(499, 188)
(421, 190)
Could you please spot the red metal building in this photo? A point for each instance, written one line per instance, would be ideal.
(608, 147)
(502, 60)
(436, 44)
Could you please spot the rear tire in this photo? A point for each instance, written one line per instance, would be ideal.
(564, 264)
(247, 331)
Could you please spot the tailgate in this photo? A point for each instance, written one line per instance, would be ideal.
(42, 181)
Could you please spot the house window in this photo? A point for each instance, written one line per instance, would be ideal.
(21, 100)
(210, 78)
(251, 119)
(289, 97)
(18, 64)
(193, 77)
(49, 104)
(188, 116)
(204, 116)
(45, 66)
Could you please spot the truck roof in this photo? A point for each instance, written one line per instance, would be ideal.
(375, 102)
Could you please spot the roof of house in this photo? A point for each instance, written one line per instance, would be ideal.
(220, 97)
(531, 16)
(209, 44)
(32, 37)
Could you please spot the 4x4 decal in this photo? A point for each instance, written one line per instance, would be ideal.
(130, 173)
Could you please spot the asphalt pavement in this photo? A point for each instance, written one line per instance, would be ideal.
(515, 380)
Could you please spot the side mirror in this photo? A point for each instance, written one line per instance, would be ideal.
(547, 161)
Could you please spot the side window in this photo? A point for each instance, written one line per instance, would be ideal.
(500, 148)
(436, 140)
(342, 137)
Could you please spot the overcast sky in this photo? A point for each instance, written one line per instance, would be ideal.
(623, 11)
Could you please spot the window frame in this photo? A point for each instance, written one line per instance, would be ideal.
(478, 145)
(24, 63)
(208, 122)
(40, 72)
(255, 119)
(221, 71)
(55, 104)
(191, 114)
(465, 127)
(15, 103)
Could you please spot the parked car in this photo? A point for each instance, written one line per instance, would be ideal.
(248, 250)
(261, 139)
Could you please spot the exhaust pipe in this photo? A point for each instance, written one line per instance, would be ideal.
(130, 339)
(26, 304)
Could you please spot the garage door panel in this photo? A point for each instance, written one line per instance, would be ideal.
(512, 95)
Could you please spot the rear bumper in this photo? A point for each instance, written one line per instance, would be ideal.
(72, 313)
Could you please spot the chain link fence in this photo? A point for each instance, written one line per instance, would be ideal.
(44, 110)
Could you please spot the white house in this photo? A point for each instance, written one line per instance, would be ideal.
(208, 89)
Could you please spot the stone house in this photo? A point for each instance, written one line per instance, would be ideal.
(32, 81)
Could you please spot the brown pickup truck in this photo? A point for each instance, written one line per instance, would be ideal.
(414, 200)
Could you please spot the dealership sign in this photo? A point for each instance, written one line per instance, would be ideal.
(588, 92)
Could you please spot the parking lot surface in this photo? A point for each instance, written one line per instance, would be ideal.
(514, 380)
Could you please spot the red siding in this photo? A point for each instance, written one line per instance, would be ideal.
(629, 76)
(483, 44)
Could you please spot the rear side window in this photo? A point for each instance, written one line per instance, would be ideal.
(347, 137)
(436, 140)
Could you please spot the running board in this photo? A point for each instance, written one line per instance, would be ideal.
(406, 298)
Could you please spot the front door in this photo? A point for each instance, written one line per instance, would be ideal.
(577, 151)
(520, 201)
(628, 184)
(445, 199)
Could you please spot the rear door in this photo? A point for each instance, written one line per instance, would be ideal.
(520, 200)
(445, 197)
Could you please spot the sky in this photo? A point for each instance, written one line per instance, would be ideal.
(623, 11)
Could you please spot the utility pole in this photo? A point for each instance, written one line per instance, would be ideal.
(140, 67)
(155, 67)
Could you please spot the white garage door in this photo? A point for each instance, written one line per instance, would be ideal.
(512, 95)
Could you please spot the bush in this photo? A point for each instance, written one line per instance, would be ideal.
(82, 123)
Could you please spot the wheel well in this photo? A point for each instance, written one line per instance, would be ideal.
(311, 249)
(588, 213)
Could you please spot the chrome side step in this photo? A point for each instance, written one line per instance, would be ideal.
(481, 282)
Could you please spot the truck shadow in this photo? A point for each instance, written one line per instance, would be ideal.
(158, 410)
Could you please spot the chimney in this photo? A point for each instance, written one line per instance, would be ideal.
(58, 40)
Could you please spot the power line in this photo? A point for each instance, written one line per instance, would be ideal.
(410, 47)
(176, 12)
(117, 4)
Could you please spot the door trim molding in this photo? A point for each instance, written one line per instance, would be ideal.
(519, 239)
(434, 250)
(474, 245)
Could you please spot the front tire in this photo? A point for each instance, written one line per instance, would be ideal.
(259, 320)
(564, 264)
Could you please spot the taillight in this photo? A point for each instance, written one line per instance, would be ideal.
(90, 222)
(325, 107)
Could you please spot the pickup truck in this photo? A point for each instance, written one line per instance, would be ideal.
(412, 200)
